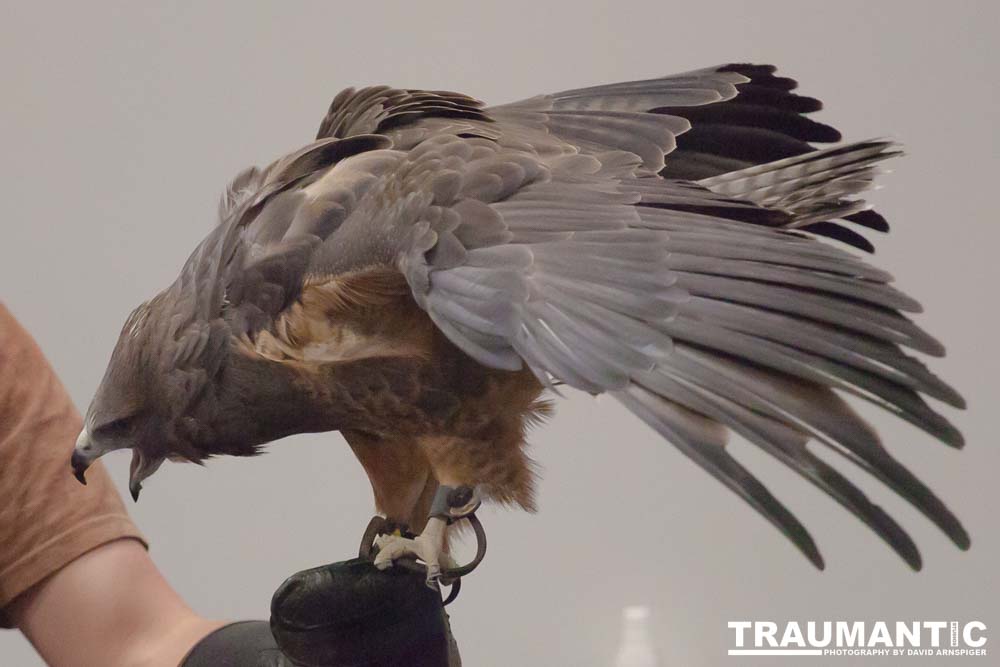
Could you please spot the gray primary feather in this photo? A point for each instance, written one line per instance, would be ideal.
(649, 239)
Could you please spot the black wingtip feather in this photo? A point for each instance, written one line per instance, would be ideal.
(749, 70)
(812, 554)
(756, 216)
(951, 436)
(723, 467)
(778, 99)
(840, 233)
(762, 75)
(901, 542)
(789, 123)
(756, 145)
(763, 123)
(870, 219)
(841, 489)
(966, 542)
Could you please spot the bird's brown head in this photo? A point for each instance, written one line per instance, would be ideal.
(161, 374)
(179, 384)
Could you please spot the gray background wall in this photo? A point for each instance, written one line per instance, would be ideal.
(121, 123)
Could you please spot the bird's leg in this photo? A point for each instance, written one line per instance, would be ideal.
(431, 546)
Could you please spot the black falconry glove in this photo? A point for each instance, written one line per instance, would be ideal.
(345, 614)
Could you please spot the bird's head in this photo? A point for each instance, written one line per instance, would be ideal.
(177, 386)
(154, 390)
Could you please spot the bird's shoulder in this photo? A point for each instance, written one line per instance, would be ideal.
(343, 317)
(382, 109)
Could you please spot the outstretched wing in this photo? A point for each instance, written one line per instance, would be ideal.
(721, 120)
(540, 234)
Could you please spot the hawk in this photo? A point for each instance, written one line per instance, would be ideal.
(421, 274)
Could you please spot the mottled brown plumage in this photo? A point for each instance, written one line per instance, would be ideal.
(419, 274)
(454, 416)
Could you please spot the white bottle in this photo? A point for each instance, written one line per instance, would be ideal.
(636, 648)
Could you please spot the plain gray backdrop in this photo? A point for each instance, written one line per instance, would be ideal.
(121, 123)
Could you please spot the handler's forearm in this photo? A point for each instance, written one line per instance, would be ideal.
(111, 606)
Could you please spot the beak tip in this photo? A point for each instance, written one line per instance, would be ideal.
(79, 464)
(135, 493)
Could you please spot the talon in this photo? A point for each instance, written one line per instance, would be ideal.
(391, 547)
(428, 547)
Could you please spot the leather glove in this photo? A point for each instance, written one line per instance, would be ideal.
(345, 614)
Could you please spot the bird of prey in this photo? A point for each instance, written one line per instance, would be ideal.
(421, 274)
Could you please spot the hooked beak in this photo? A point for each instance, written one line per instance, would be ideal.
(87, 451)
(80, 465)
(83, 456)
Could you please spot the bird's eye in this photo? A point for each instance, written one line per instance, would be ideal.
(118, 428)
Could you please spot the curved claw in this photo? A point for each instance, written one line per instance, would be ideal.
(427, 547)
(386, 549)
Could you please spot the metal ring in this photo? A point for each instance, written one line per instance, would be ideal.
(462, 570)
(376, 527)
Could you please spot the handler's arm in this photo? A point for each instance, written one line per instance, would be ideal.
(75, 576)
(110, 606)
